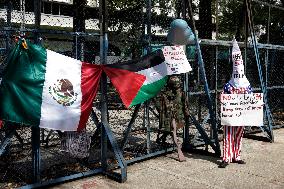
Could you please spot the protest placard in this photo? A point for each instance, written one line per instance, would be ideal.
(242, 109)
(176, 60)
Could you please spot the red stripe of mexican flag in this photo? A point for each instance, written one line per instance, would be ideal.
(90, 78)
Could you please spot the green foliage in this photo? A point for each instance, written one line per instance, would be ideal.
(232, 18)
(127, 20)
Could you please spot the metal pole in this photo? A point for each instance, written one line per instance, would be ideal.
(9, 13)
(267, 51)
(149, 28)
(106, 132)
(216, 67)
(103, 59)
(76, 46)
(147, 112)
(186, 139)
(35, 129)
(129, 127)
(36, 153)
(246, 41)
(22, 7)
(37, 12)
(206, 87)
(79, 27)
(184, 9)
(256, 53)
(8, 33)
(268, 24)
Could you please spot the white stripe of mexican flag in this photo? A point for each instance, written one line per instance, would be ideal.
(68, 92)
(61, 71)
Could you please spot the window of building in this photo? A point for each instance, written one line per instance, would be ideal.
(16, 5)
(66, 10)
(2, 5)
(46, 6)
(56, 9)
(29, 6)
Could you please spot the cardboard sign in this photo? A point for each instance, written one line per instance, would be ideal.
(176, 60)
(242, 109)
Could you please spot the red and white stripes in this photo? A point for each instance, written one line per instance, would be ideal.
(233, 135)
(232, 143)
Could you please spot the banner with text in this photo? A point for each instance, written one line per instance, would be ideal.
(242, 109)
(176, 60)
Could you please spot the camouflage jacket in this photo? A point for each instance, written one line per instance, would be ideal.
(172, 104)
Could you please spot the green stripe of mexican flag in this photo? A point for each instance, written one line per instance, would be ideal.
(46, 89)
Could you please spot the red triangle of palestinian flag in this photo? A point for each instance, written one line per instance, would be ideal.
(138, 80)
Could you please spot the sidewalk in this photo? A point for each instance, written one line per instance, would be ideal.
(264, 169)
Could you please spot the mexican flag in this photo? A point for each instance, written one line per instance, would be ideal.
(46, 89)
(138, 80)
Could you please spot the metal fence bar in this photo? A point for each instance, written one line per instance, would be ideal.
(36, 153)
(153, 154)
(129, 127)
(63, 179)
(103, 59)
(267, 110)
(206, 87)
(6, 141)
(212, 42)
(147, 104)
(46, 31)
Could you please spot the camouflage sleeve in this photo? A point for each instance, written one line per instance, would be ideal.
(185, 104)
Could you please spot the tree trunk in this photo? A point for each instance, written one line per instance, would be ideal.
(205, 32)
(205, 19)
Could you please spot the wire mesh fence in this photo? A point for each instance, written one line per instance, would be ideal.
(127, 41)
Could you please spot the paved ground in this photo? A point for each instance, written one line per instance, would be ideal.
(264, 169)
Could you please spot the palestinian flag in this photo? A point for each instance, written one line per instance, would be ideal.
(46, 89)
(138, 80)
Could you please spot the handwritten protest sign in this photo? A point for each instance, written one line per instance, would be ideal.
(176, 60)
(242, 109)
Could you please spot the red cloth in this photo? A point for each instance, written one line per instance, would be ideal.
(232, 142)
(1, 124)
(90, 80)
(126, 82)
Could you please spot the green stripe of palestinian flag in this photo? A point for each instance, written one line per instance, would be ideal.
(138, 80)
(156, 78)
(46, 89)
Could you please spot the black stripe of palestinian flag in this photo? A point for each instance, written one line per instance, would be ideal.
(138, 80)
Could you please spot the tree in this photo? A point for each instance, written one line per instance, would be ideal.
(205, 17)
